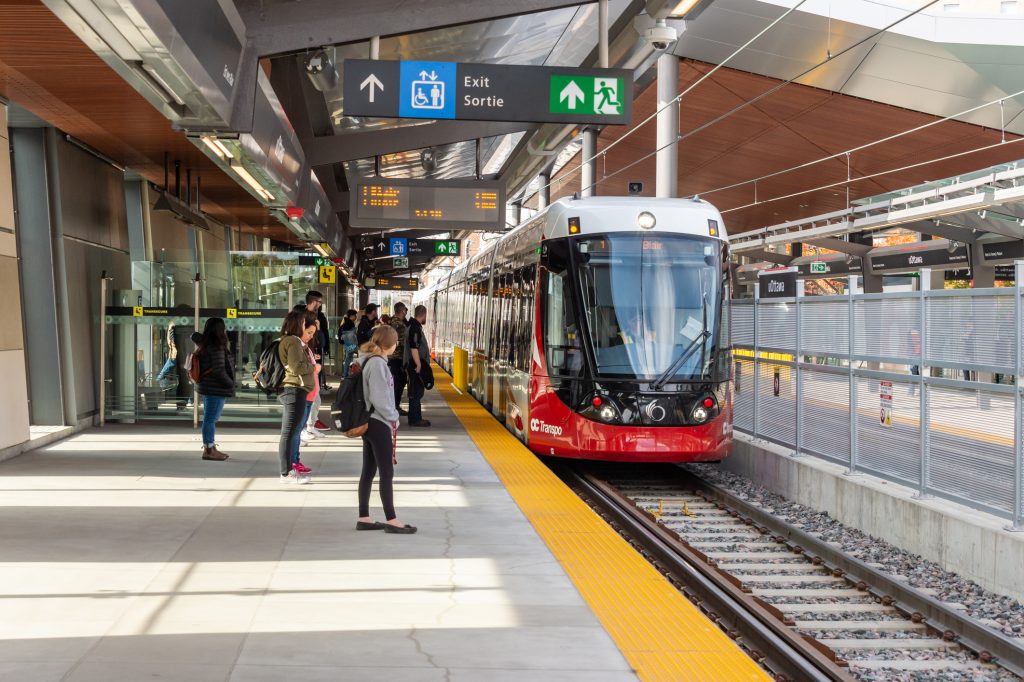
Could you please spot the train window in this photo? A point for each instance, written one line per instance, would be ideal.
(562, 339)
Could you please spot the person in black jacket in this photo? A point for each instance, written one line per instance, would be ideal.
(216, 381)
(315, 304)
(365, 329)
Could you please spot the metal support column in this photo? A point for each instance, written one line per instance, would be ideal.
(544, 193)
(291, 293)
(515, 213)
(1018, 404)
(926, 285)
(666, 178)
(588, 174)
(851, 290)
(602, 33)
(756, 362)
(375, 47)
(195, 389)
(797, 356)
(102, 406)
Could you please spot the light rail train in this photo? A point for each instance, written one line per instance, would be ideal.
(599, 330)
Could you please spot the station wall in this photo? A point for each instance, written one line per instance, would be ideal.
(14, 419)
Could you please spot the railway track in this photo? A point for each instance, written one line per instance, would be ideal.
(794, 601)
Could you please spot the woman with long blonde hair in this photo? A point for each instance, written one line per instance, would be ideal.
(380, 439)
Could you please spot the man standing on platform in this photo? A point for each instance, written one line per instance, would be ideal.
(396, 360)
(365, 329)
(315, 304)
(417, 356)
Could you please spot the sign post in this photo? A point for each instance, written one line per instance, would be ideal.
(487, 92)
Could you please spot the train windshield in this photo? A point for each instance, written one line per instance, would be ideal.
(649, 301)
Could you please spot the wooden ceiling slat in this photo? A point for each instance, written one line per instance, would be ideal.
(795, 125)
(46, 69)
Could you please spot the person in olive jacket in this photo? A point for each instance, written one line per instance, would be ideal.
(216, 381)
(299, 375)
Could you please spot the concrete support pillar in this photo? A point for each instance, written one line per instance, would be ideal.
(544, 193)
(667, 175)
(984, 276)
(936, 279)
(588, 174)
(515, 212)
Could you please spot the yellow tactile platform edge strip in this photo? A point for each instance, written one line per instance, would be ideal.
(660, 632)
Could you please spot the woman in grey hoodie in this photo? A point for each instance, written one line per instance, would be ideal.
(379, 441)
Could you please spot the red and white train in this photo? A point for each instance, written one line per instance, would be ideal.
(599, 330)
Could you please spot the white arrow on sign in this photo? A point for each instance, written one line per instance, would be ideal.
(372, 82)
(573, 93)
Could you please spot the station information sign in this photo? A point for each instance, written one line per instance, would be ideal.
(455, 204)
(393, 283)
(487, 92)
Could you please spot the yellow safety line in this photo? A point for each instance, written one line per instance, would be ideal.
(660, 632)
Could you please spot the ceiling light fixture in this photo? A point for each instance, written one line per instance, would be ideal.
(248, 179)
(217, 147)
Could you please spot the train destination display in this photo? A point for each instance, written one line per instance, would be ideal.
(395, 202)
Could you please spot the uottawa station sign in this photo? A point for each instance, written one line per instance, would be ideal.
(487, 92)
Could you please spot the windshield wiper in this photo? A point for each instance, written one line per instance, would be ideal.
(690, 350)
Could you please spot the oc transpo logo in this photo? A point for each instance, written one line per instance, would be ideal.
(542, 427)
(655, 412)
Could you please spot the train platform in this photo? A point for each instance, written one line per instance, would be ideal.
(126, 556)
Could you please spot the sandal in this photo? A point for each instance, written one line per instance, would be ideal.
(403, 530)
(369, 525)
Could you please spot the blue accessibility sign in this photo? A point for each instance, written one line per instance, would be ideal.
(427, 90)
(399, 246)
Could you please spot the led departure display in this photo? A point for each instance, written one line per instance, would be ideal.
(379, 202)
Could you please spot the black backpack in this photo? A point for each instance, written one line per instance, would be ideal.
(270, 374)
(349, 412)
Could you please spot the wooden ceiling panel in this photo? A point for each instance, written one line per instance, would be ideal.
(46, 69)
(794, 125)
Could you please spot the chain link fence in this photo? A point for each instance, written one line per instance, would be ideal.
(920, 388)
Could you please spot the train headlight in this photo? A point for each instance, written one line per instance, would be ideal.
(700, 414)
(646, 220)
(608, 413)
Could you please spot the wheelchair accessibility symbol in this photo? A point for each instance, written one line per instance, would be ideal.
(428, 93)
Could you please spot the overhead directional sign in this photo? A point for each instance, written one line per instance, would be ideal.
(393, 283)
(487, 92)
(447, 247)
(428, 204)
(399, 246)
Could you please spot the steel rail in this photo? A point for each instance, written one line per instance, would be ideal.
(990, 645)
(756, 624)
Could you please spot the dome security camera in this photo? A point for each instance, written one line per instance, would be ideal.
(661, 35)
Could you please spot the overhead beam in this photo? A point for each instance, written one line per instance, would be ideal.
(330, 149)
(292, 26)
(770, 256)
(840, 245)
(944, 230)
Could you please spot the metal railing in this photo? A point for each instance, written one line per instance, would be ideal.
(922, 388)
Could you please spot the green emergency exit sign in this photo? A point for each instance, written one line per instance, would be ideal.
(592, 95)
(447, 248)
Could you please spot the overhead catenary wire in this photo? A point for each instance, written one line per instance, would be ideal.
(837, 155)
(678, 97)
(876, 174)
(829, 58)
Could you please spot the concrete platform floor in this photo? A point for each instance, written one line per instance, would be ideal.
(124, 556)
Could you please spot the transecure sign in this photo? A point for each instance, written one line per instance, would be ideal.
(487, 92)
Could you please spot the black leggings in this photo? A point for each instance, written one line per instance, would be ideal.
(377, 453)
(293, 407)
